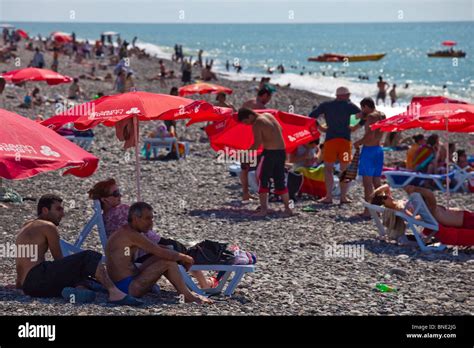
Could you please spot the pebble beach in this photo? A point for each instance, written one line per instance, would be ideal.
(196, 199)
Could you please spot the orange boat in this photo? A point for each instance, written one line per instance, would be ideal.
(341, 58)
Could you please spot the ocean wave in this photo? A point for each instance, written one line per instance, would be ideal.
(316, 82)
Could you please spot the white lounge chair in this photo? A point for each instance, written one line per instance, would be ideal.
(400, 178)
(417, 206)
(84, 142)
(97, 220)
(238, 270)
(462, 177)
(168, 143)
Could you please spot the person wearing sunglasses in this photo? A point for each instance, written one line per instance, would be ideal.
(449, 217)
(115, 216)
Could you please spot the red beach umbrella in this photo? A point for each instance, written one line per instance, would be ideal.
(27, 148)
(61, 37)
(22, 33)
(231, 133)
(36, 74)
(203, 88)
(449, 117)
(139, 106)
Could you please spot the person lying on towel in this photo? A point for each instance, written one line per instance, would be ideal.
(448, 217)
(65, 276)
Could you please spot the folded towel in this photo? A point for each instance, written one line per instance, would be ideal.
(351, 172)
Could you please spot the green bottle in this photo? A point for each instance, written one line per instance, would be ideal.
(385, 288)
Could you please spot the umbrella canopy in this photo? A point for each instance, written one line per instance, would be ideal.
(449, 43)
(61, 37)
(429, 100)
(22, 33)
(28, 148)
(203, 88)
(409, 118)
(449, 117)
(36, 74)
(230, 133)
(141, 106)
(208, 113)
(146, 106)
(443, 117)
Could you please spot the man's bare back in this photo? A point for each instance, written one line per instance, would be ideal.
(39, 233)
(267, 128)
(373, 137)
(253, 104)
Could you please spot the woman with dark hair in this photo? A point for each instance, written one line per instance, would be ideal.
(115, 215)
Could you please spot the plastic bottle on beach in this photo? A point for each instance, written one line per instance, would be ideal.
(385, 288)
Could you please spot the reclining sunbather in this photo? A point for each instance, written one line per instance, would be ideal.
(120, 251)
(448, 217)
(115, 216)
(40, 278)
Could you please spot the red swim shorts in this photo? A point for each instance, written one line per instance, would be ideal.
(468, 220)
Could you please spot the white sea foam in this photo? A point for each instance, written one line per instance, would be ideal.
(317, 83)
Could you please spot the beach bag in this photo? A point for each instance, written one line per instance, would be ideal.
(351, 172)
(211, 253)
(177, 246)
(294, 183)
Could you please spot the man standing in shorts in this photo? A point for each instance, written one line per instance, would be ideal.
(264, 96)
(337, 145)
(382, 93)
(267, 132)
(371, 156)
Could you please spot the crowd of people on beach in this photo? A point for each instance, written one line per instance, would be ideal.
(130, 227)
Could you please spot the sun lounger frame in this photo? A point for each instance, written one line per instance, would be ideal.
(411, 176)
(97, 220)
(84, 142)
(416, 226)
(164, 143)
(238, 270)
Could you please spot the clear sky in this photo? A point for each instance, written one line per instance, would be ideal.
(235, 11)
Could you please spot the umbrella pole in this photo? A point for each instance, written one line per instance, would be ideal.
(137, 157)
(447, 164)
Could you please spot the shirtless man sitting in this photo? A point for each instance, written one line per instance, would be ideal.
(267, 132)
(138, 281)
(448, 217)
(40, 278)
